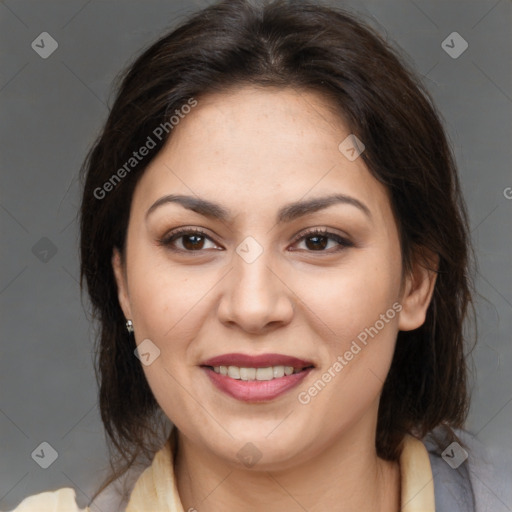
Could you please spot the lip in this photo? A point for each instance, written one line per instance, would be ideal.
(256, 361)
(255, 390)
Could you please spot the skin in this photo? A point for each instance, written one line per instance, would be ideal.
(253, 150)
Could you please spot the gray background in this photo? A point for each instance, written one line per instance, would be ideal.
(52, 110)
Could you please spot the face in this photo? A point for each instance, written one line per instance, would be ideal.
(295, 267)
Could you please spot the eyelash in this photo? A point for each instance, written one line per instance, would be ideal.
(168, 239)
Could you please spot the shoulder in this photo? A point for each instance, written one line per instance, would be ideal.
(113, 499)
(466, 478)
(61, 500)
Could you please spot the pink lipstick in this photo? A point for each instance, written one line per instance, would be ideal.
(257, 378)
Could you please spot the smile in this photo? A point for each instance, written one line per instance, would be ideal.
(243, 386)
(268, 373)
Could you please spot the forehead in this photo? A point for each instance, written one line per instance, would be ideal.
(256, 148)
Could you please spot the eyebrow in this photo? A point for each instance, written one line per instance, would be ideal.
(287, 213)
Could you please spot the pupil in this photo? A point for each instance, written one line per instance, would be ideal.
(317, 238)
(196, 241)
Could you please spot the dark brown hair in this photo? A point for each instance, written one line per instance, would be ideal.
(307, 47)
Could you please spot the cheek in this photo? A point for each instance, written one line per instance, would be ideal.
(355, 318)
(164, 296)
(358, 346)
(351, 298)
(169, 307)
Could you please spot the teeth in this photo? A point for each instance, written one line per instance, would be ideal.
(247, 373)
(269, 373)
(278, 371)
(233, 372)
(265, 373)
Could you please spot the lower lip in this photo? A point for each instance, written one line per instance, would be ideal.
(256, 390)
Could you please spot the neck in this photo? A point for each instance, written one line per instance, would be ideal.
(345, 476)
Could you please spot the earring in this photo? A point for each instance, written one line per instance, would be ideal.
(129, 326)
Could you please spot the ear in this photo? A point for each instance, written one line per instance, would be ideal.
(122, 288)
(418, 291)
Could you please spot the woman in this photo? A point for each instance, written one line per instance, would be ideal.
(275, 244)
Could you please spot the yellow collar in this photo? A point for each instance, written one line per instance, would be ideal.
(417, 481)
(156, 489)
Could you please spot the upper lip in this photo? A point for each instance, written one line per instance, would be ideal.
(257, 361)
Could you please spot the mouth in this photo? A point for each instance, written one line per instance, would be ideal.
(256, 378)
(260, 374)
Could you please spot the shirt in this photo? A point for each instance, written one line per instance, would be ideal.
(431, 481)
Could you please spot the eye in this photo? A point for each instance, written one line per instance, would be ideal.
(195, 240)
(317, 240)
(191, 240)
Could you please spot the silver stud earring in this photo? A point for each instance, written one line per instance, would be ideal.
(129, 326)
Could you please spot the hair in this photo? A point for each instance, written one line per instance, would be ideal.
(307, 47)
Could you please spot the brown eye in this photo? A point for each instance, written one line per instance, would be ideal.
(186, 240)
(192, 242)
(318, 241)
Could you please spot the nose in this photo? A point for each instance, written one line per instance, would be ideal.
(255, 297)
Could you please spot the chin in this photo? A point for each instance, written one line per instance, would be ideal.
(262, 449)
